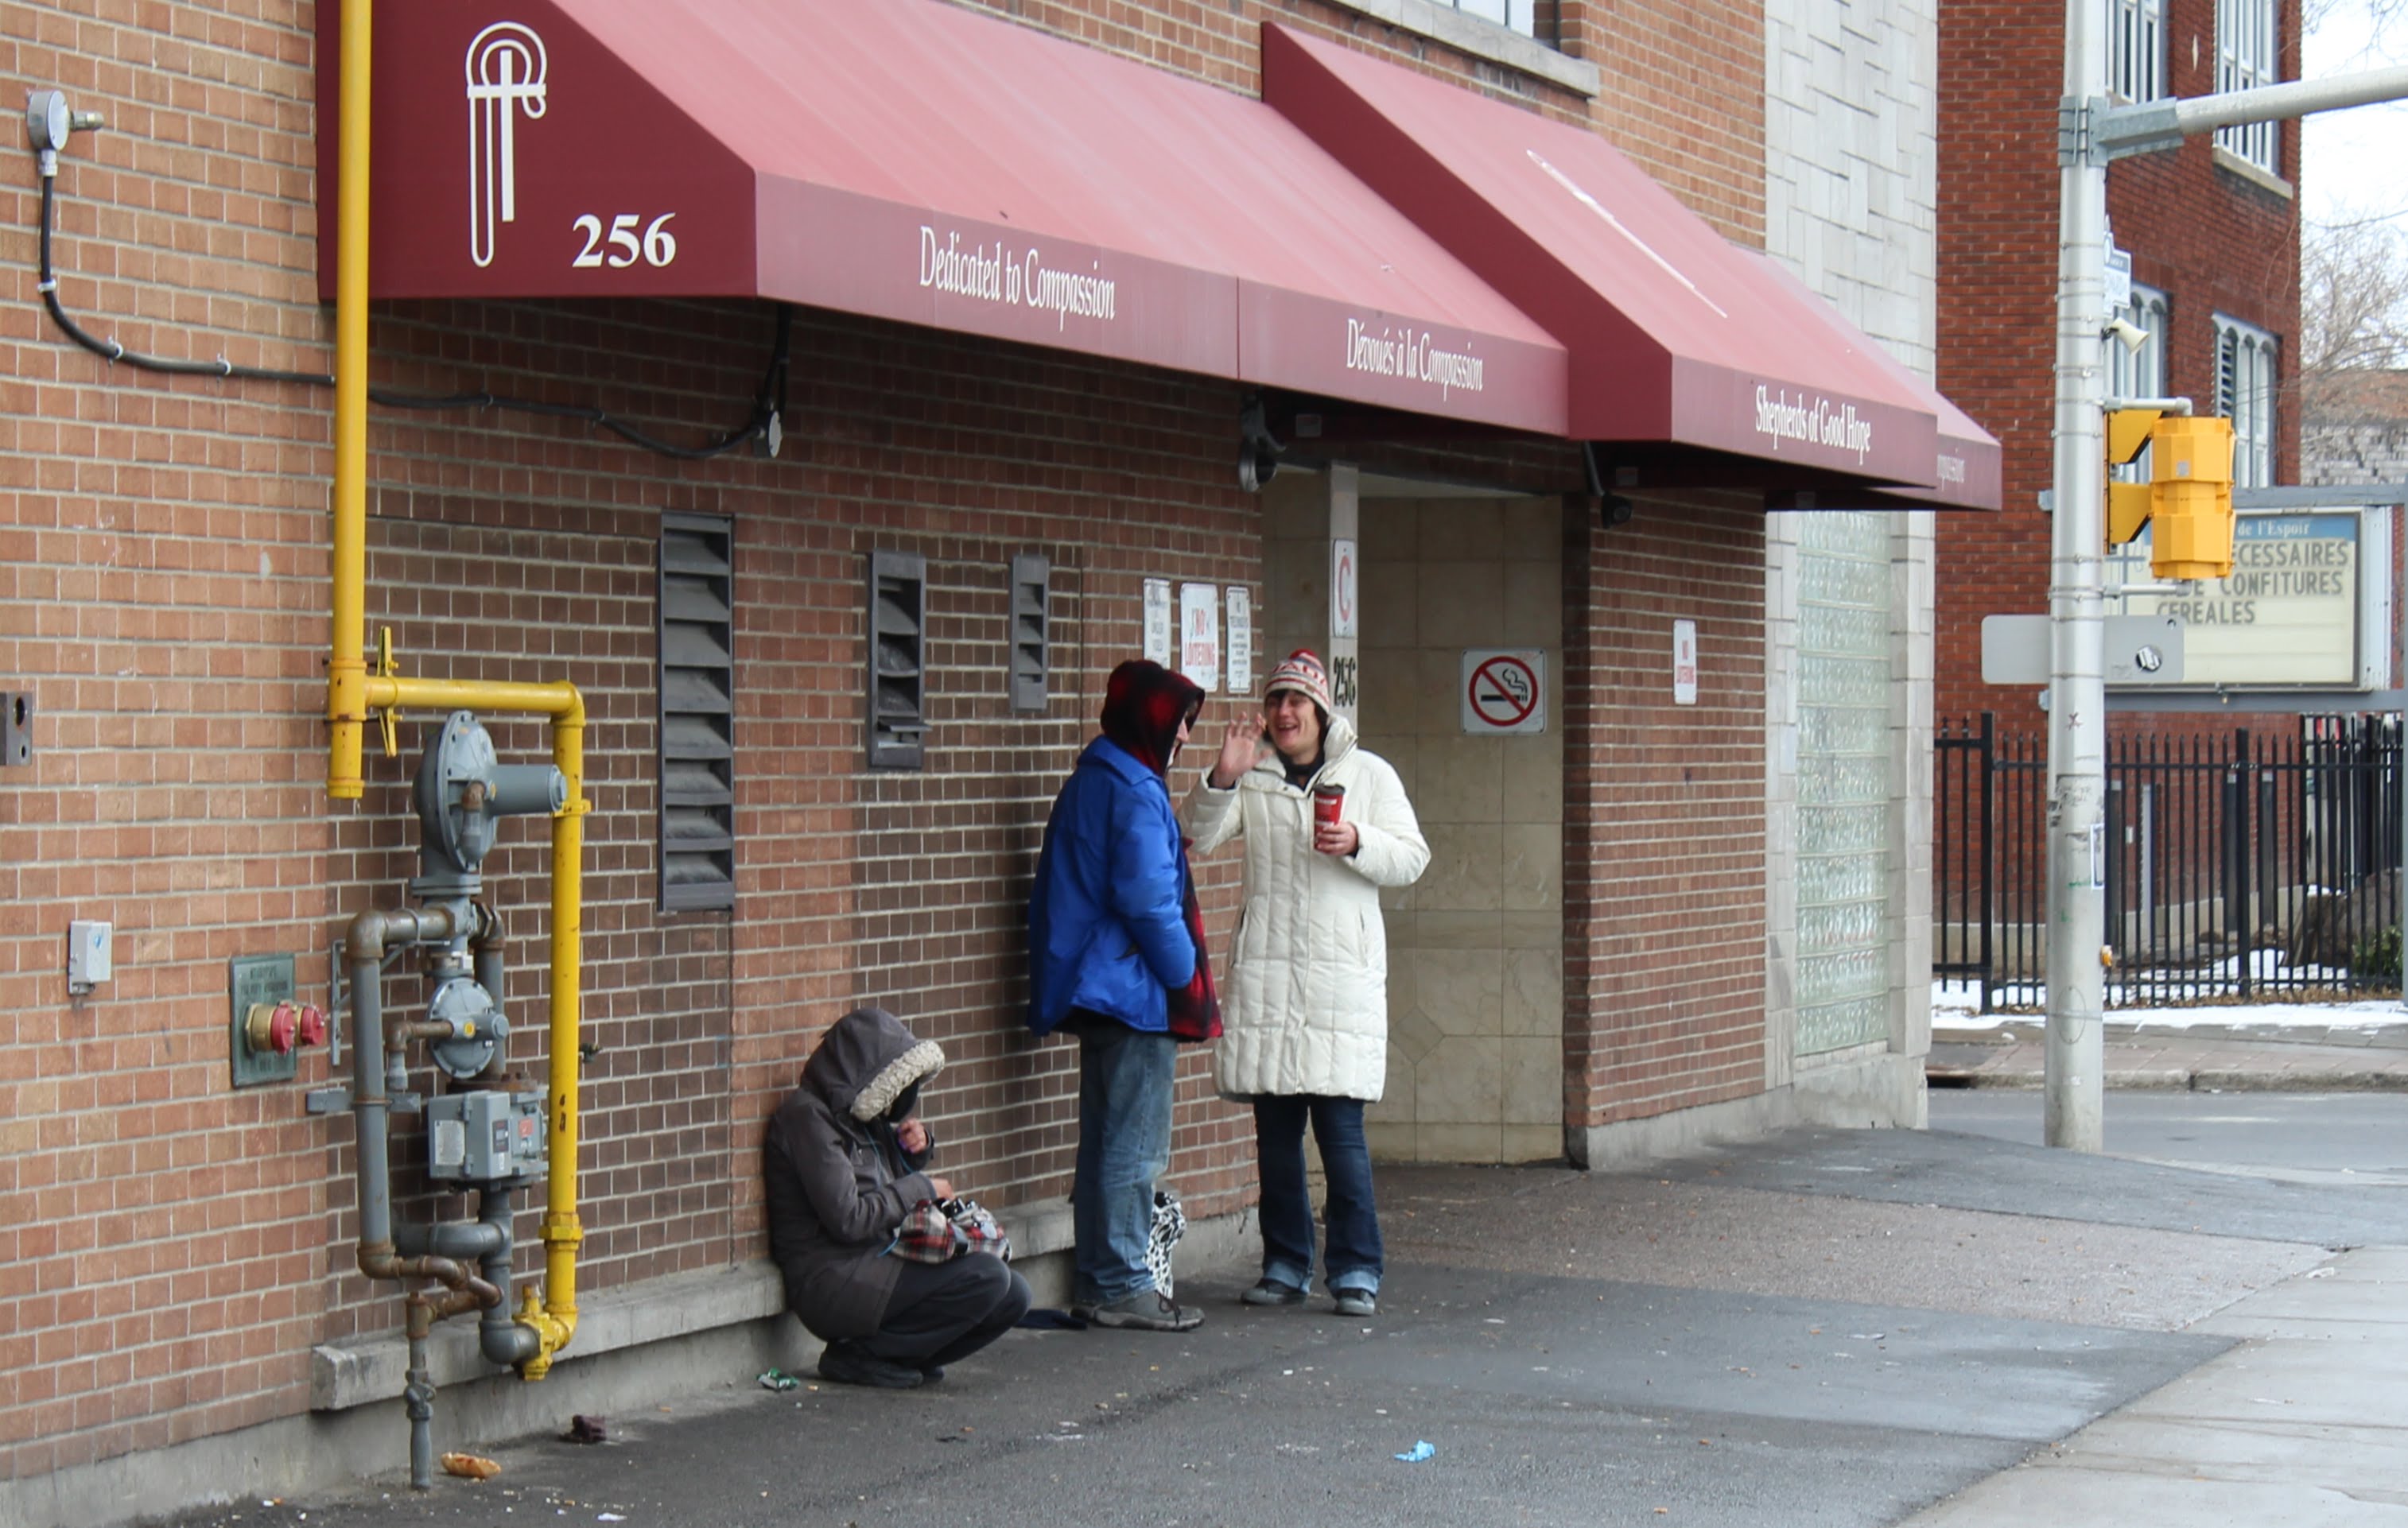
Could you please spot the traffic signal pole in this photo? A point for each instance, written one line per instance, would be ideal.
(2091, 133)
(2077, 701)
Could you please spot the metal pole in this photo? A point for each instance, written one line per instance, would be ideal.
(2077, 709)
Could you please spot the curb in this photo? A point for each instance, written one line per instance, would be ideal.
(2178, 1080)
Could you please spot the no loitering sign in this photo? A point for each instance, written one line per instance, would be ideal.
(1504, 691)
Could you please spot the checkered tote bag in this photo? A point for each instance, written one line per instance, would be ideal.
(1169, 1225)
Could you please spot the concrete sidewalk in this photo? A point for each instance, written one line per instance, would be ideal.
(1835, 1327)
(2201, 1058)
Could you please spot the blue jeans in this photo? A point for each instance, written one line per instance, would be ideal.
(1353, 1259)
(1125, 1086)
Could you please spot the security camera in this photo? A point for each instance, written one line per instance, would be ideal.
(1258, 453)
(2127, 334)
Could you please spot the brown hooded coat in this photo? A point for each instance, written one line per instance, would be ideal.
(836, 1183)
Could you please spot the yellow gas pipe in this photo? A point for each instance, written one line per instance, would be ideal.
(352, 694)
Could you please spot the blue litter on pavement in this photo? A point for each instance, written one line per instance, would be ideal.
(1418, 1452)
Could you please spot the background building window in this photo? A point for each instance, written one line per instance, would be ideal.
(1520, 15)
(2244, 392)
(2136, 49)
(2246, 59)
(2142, 373)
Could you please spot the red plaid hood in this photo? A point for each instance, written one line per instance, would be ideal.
(1144, 703)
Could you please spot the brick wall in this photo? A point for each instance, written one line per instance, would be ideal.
(2213, 240)
(170, 1249)
(1664, 823)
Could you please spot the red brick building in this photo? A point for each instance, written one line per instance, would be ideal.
(828, 693)
(2212, 229)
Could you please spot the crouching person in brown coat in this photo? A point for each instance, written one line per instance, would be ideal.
(844, 1160)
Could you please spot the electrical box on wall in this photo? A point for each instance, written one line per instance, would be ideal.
(16, 727)
(91, 956)
(485, 1137)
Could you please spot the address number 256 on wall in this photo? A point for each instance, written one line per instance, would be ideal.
(619, 247)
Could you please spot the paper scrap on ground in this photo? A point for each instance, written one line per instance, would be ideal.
(1418, 1452)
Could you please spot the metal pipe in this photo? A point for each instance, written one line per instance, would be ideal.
(553, 1318)
(417, 1398)
(562, 1233)
(347, 666)
(501, 1339)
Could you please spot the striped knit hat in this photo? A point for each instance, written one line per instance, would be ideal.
(1301, 672)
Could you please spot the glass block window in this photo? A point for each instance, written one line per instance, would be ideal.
(2136, 49)
(2245, 393)
(2142, 373)
(697, 712)
(2246, 59)
(1844, 780)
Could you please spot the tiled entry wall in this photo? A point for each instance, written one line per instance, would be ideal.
(1475, 949)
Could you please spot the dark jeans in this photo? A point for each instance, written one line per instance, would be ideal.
(1353, 1259)
(941, 1311)
(1124, 1089)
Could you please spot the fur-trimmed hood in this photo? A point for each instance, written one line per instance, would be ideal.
(866, 1061)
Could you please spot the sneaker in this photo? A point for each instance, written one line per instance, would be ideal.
(1271, 1291)
(1357, 1302)
(931, 1373)
(847, 1364)
(1147, 1310)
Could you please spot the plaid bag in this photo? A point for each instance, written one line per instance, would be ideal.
(927, 1235)
(975, 1224)
(941, 1230)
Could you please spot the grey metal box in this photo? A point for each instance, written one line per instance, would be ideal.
(16, 726)
(484, 1138)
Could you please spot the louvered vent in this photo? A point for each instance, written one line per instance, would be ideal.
(898, 719)
(697, 712)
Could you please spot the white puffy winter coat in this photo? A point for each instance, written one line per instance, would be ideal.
(1305, 1007)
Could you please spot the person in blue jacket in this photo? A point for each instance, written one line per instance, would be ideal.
(1108, 940)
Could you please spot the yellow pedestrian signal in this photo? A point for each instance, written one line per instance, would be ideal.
(2188, 498)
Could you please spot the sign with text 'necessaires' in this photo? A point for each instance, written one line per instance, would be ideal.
(2289, 614)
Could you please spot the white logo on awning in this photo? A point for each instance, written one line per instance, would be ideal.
(505, 69)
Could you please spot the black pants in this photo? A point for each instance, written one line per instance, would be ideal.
(941, 1311)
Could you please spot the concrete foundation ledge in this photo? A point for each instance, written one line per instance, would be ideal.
(639, 1349)
(362, 1370)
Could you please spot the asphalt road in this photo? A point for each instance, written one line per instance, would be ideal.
(2300, 1137)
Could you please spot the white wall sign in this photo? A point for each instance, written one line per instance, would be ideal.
(2287, 615)
(1241, 641)
(1161, 638)
(1685, 662)
(1200, 634)
(1504, 691)
(1342, 563)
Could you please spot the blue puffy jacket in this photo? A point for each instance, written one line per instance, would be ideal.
(1107, 930)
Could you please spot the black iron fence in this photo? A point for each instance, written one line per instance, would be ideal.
(2238, 866)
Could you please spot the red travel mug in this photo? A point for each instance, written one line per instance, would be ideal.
(1327, 800)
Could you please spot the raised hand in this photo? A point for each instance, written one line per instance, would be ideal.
(912, 1135)
(1240, 750)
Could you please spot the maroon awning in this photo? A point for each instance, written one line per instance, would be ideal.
(913, 161)
(1675, 336)
(1967, 470)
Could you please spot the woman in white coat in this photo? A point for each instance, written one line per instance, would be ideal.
(1305, 1011)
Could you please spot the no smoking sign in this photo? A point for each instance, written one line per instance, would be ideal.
(1504, 691)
